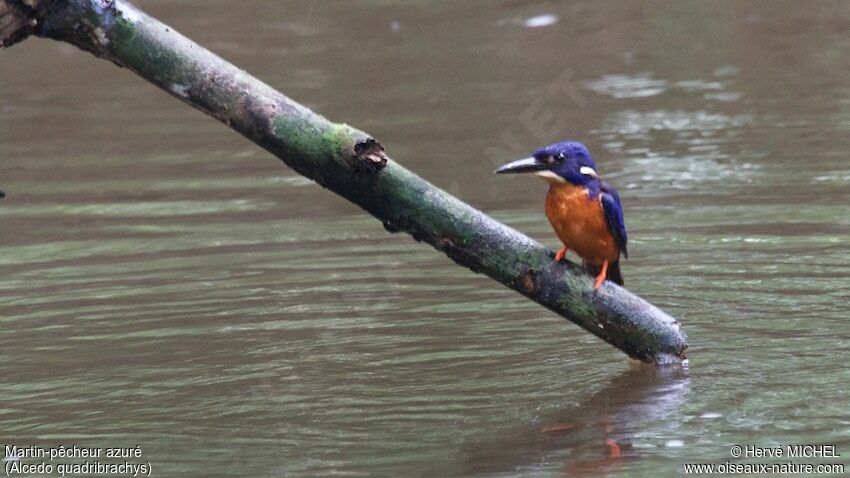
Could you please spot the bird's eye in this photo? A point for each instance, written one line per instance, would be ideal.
(561, 157)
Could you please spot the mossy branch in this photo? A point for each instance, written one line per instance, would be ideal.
(352, 164)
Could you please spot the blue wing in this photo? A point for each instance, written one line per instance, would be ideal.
(614, 216)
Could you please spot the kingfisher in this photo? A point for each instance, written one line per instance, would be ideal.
(584, 210)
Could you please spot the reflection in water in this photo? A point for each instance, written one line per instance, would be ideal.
(598, 434)
(624, 86)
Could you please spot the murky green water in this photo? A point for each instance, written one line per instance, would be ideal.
(167, 284)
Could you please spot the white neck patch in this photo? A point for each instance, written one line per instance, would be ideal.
(588, 171)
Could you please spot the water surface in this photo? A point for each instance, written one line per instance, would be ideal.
(168, 284)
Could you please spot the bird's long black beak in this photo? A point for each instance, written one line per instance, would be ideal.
(524, 165)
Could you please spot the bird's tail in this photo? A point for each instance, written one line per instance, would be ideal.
(614, 275)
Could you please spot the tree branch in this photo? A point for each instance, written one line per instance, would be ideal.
(352, 164)
(18, 19)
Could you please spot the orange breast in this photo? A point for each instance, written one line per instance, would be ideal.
(580, 223)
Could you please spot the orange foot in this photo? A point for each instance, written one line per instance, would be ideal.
(561, 253)
(601, 277)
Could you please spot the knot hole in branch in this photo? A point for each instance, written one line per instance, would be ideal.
(369, 155)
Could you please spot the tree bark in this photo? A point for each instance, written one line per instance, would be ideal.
(17, 20)
(352, 164)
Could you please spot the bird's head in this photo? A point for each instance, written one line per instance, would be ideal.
(564, 162)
